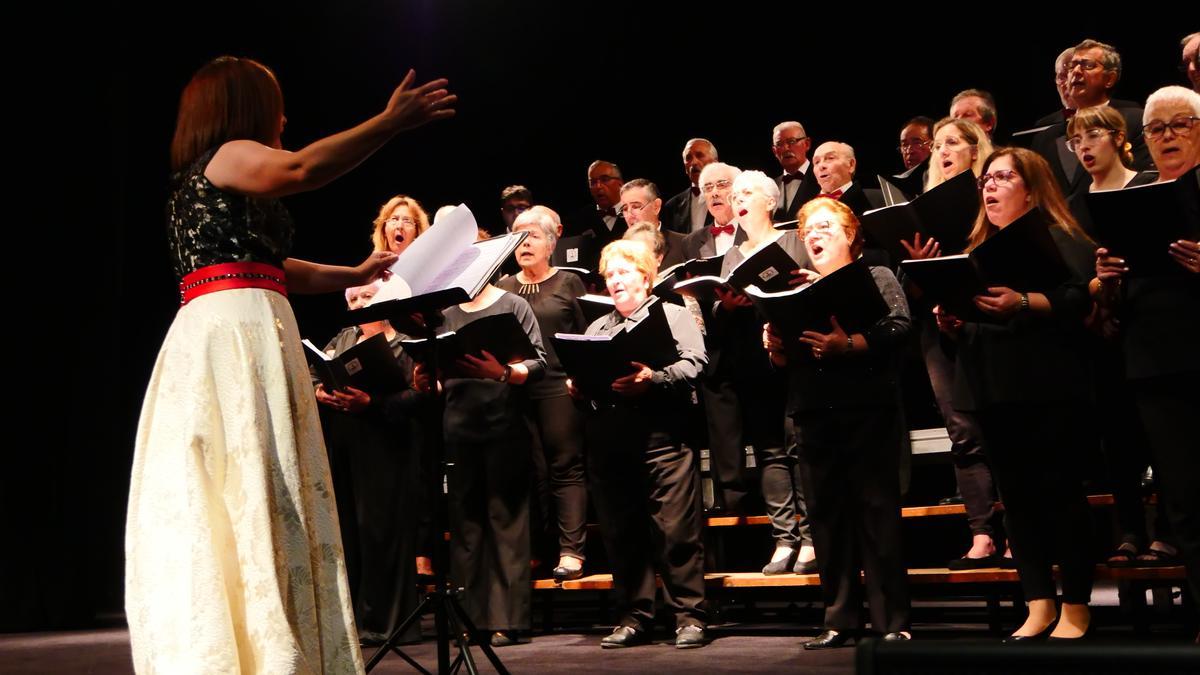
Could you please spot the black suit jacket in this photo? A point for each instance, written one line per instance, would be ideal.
(808, 190)
(677, 213)
(589, 220)
(1071, 176)
(675, 251)
(702, 244)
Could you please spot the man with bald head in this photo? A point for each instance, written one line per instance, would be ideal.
(834, 165)
(601, 219)
(790, 145)
(686, 212)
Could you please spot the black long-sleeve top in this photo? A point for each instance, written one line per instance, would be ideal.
(868, 379)
(1031, 357)
(481, 410)
(557, 310)
(395, 407)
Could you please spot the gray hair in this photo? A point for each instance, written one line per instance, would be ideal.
(790, 124)
(1111, 60)
(1063, 58)
(603, 162)
(757, 180)
(658, 241)
(987, 111)
(693, 141)
(714, 167)
(648, 186)
(1169, 95)
(1188, 38)
(542, 220)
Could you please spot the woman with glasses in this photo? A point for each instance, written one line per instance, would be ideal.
(1098, 137)
(1027, 381)
(1160, 328)
(549, 411)
(761, 390)
(958, 145)
(843, 396)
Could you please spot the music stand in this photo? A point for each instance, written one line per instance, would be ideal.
(443, 599)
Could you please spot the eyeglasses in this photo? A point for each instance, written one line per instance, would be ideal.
(820, 226)
(598, 180)
(403, 221)
(1086, 64)
(634, 206)
(951, 143)
(722, 184)
(1180, 125)
(913, 144)
(1001, 178)
(1091, 136)
(785, 143)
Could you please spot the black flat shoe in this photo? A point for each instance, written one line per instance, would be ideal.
(625, 636)
(1040, 637)
(830, 639)
(965, 563)
(898, 636)
(505, 638)
(781, 566)
(1087, 633)
(562, 574)
(691, 637)
(809, 567)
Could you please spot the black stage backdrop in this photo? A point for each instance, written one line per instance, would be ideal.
(544, 89)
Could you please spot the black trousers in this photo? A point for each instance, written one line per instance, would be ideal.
(556, 428)
(489, 530)
(1169, 406)
(849, 462)
(971, 470)
(647, 501)
(375, 475)
(1036, 455)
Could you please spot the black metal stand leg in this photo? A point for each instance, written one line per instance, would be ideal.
(484, 645)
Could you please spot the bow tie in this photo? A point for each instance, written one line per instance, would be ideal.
(610, 212)
(836, 194)
(695, 191)
(719, 229)
(789, 177)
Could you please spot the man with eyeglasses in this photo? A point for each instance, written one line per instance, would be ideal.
(916, 139)
(640, 203)
(514, 200)
(796, 185)
(1092, 70)
(601, 219)
(686, 212)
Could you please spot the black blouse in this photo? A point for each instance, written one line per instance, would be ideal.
(557, 311)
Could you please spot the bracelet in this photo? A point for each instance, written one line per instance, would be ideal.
(1024, 302)
(849, 343)
(505, 375)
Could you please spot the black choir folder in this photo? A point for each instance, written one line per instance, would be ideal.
(1022, 256)
(1139, 223)
(848, 293)
(369, 365)
(581, 252)
(769, 268)
(946, 213)
(500, 334)
(594, 361)
(442, 267)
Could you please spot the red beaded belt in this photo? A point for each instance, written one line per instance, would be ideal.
(226, 276)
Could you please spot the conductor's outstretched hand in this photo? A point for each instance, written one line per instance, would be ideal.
(411, 107)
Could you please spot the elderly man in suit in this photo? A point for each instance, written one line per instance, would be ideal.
(601, 219)
(796, 184)
(834, 166)
(685, 212)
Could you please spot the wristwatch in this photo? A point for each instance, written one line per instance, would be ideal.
(1024, 302)
(505, 375)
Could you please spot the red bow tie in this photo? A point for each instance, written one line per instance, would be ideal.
(718, 229)
(789, 177)
(836, 194)
(695, 191)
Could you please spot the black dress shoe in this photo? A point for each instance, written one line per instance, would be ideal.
(690, 637)
(505, 638)
(830, 639)
(950, 501)
(625, 636)
(896, 636)
(781, 566)
(562, 574)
